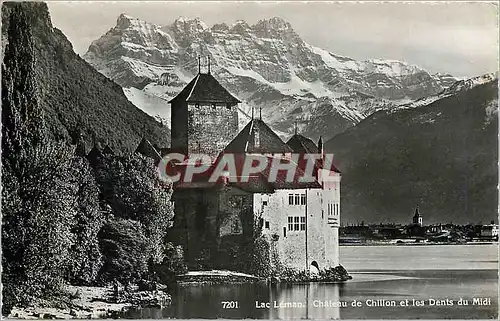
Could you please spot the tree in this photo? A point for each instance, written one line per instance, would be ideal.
(85, 257)
(124, 248)
(37, 194)
(133, 189)
(38, 212)
(172, 264)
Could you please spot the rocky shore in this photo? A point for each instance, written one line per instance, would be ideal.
(95, 302)
(215, 277)
(336, 274)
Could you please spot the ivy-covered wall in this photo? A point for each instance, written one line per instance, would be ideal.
(215, 227)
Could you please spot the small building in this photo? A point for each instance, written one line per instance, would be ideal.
(435, 229)
(490, 231)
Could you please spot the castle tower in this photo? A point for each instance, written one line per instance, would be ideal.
(331, 210)
(329, 200)
(417, 218)
(204, 117)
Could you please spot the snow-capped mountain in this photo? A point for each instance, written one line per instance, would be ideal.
(266, 65)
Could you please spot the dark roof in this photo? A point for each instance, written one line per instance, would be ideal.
(107, 151)
(95, 156)
(257, 183)
(80, 149)
(245, 141)
(205, 88)
(301, 144)
(147, 149)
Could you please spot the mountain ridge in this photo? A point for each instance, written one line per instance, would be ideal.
(442, 156)
(266, 64)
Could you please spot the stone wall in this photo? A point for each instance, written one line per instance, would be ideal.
(179, 125)
(214, 226)
(217, 227)
(195, 224)
(294, 249)
(332, 209)
(211, 127)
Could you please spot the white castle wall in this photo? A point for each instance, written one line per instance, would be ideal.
(318, 220)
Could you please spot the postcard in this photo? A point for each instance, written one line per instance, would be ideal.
(249, 160)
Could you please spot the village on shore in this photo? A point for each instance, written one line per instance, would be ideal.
(418, 233)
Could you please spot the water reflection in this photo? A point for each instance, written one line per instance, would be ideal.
(318, 301)
(334, 301)
(420, 273)
(260, 301)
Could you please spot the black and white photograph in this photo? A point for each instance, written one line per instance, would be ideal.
(249, 160)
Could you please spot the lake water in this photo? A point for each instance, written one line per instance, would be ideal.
(390, 282)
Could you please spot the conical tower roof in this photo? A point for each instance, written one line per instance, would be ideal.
(205, 88)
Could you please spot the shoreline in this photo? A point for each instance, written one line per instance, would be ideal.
(414, 243)
(92, 302)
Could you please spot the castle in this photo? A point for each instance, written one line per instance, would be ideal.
(217, 223)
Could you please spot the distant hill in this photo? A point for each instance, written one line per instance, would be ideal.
(442, 156)
(77, 100)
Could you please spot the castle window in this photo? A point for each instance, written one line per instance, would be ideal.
(297, 199)
(197, 105)
(228, 106)
(213, 106)
(296, 223)
(284, 232)
(267, 224)
(264, 203)
(290, 199)
(290, 223)
(302, 199)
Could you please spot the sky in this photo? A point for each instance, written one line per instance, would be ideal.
(459, 38)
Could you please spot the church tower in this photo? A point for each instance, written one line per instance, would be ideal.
(204, 117)
(417, 218)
